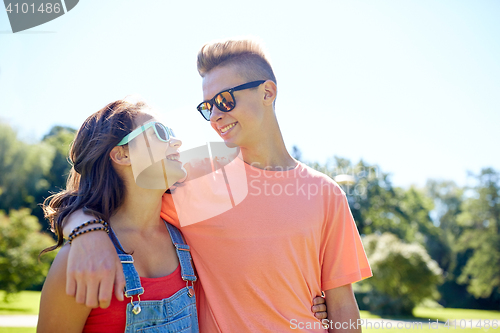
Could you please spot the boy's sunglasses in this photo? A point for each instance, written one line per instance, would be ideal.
(163, 132)
(224, 100)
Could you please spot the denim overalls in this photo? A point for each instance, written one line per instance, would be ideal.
(176, 313)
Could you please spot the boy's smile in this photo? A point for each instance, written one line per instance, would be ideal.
(224, 130)
(236, 126)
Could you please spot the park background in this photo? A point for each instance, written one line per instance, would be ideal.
(401, 95)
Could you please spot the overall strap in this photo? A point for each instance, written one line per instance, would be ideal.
(183, 252)
(116, 242)
(132, 281)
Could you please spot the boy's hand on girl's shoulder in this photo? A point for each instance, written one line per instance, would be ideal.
(93, 270)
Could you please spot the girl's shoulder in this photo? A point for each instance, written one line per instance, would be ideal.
(54, 300)
(55, 282)
(60, 262)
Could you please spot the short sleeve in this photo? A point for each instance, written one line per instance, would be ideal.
(344, 258)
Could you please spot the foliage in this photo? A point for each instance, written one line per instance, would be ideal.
(469, 220)
(60, 139)
(480, 220)
(448, 198)
(21, 242)
(29, 172)
(403, 274)
(22, 170)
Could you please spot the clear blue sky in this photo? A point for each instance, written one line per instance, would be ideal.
(413, 86)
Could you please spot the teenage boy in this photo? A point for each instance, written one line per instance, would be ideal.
(292, 237)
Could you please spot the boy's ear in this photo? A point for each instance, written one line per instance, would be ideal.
(270, 91)
(120, 155)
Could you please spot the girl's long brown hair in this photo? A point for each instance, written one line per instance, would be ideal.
(93, 184)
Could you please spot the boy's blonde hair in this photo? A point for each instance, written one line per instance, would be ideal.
(246, 55)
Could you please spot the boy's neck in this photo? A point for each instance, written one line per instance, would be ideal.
(269, 154)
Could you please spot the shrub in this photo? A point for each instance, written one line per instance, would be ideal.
(20, 243)
(404, 275)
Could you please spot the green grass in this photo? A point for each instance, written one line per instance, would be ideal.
(17, 329)
(24, 303)
(441, 314)
(444, 314)
(367, 315)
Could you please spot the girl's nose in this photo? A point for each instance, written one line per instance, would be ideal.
(175, 142)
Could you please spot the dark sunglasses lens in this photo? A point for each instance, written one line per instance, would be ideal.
(204, 109)
(162, 132)
(224, 101)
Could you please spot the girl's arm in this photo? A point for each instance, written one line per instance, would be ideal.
(58, 311)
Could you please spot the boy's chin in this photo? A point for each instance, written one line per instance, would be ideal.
(230, 144)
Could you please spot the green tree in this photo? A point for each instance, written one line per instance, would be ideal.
(59, 137)
(448, 199)
(20, 243)
(23, 168)
(480, 220)
(29, 172)
(404, 275)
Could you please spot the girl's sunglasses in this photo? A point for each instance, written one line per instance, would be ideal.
(163, 132)
(224, 100)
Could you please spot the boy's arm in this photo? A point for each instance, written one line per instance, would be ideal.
(58, 311)
(93, 266)
(342, 308)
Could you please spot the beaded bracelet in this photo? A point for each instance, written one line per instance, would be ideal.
(73, 236)
(81, 226)
(105, 225)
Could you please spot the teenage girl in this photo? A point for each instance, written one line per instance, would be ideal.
(159, 276)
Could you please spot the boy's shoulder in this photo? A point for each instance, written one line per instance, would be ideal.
(316, 176)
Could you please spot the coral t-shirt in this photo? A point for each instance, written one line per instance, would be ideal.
(262, 262)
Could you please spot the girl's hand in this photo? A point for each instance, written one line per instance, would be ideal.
(319, 307)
